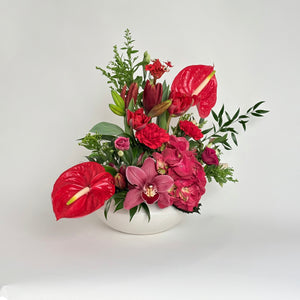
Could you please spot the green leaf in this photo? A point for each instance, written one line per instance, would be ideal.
(227, 123)
(146, 209)
(110, 170)
(234, 138)
(236, 115)
(243, 124)
(256, 115)
(243, 117)
(207, 130)
(166, 92)
(132, 212)
(226, 146)
(220, 139)
(258, 104)
(119, 204)
(107, 206)
(214, 116)
(261, 111)
(220, 121)
(221, 111)
(105, 128)
(251, 108)
(227, 115)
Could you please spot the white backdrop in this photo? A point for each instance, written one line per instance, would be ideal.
(244, 245)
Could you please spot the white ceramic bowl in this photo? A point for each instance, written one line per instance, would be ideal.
(161, 219)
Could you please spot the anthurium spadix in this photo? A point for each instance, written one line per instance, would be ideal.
(194, 85)
(81, 190)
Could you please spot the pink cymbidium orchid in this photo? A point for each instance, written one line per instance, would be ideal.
(149, 186)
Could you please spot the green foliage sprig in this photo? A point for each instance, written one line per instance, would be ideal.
(121, 69)
(220, 174)
(224, 125)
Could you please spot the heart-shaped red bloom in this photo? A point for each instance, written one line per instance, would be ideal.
(81, 190)
(184, 90)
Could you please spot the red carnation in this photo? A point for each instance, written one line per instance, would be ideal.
(152, 136)
(191, 129)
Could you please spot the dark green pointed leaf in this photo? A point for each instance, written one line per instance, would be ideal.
(261, 111)
(227, 123)
(236, 115)
(110, 170)
(258, 104)
(221, 111)
(243, 124)
(214, 116)
(256, 115)
(119, 204)
(132, 212)
(146, 209)
(107, 206)
(227, 115)
(227, 146)
(220, 121)
(214, 127)
(234, 138)
(251, 108)
(243, 117)
(207, 130)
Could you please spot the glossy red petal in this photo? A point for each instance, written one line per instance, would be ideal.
(73, 180)
(187, 81)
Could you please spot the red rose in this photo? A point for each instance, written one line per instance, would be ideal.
(152, 136)
(210, 157)
(191, 130)
(138, 119)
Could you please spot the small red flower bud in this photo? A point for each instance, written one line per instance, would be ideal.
(152, 95)
(120, 181)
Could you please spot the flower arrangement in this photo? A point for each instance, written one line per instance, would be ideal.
(149, 161)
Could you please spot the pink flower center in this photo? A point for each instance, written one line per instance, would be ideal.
(150, 194)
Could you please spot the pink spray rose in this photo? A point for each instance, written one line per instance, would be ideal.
(210, 157)
(122, 143)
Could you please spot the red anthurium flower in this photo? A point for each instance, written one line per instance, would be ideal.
(149, 186)
(194, 85)
(81, 190)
